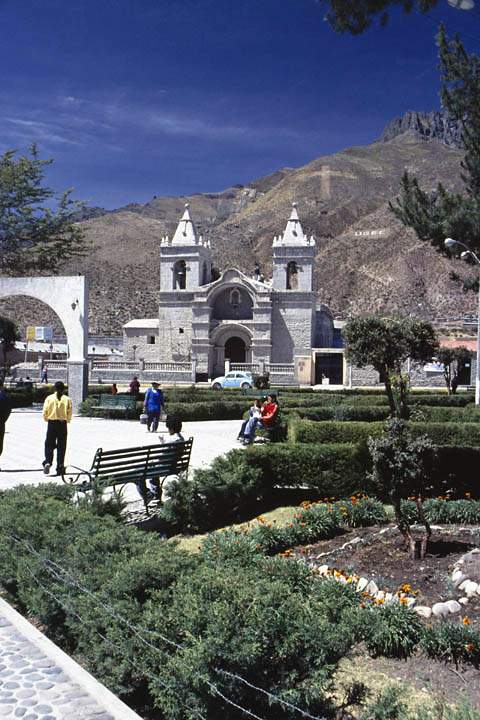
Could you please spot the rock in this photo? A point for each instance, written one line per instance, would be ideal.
(471, 588)
(409, 601)
(389, 597)
(362, 584)
(423, 611)
(453, 606)
(372, 588)
(458, 577)
(463, 601)
(440, 609)
(463, 584)
(323, 570)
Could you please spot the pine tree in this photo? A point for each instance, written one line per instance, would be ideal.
(355, 16)
(34, 234)
(435, 216)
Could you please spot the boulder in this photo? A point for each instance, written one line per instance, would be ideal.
(372, 588)
(440, 609)
(453, 606)
(362, 584)
(423, 611)
(323, 570)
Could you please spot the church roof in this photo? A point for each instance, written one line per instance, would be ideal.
(293, 234)
(186, 232)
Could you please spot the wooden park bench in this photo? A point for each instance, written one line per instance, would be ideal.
(127, 403)
(111, 468)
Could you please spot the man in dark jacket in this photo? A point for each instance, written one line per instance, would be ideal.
(5, 410)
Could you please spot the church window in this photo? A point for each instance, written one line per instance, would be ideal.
(151, 340)
(204, 274)
(181, 331)
(180, 275)
(235, 298)
(292, 275)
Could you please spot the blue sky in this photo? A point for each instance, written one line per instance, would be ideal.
(135, 98)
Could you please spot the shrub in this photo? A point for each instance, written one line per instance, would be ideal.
(452, 642)
(389, 705)
(307, 431)
(455, 512)
(392, 631)
(266, 627)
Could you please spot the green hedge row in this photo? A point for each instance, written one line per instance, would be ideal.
(308, 431)
(237, 484)
(381, 412)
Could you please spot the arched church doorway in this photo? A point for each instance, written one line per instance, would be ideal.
(235, 350)
(68, 298)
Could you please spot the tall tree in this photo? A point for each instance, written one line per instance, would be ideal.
(355, 16)
(449, 357)
(387, 344)
(8, 336)
(435, 216)
(37, 231)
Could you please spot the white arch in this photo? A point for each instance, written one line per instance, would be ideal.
(68, 297)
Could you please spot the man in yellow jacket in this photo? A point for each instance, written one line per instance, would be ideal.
(57, 412)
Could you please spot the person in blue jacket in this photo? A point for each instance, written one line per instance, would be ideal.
(153, 405)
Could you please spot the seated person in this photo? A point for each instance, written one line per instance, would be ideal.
(174, 427)
(254, 411)
(267, 420)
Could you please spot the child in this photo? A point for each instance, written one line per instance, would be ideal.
(254, 412)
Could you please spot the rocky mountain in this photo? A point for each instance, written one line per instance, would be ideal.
(433, 125)
(366, 260)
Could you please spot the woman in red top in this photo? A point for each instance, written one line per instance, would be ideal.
(269, 416)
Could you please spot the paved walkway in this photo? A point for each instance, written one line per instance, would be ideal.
(38, 681)
(21, 462)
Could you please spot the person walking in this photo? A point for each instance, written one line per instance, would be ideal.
(153, 405)
(45, 374)
(57, 412)
(5, 410)
(134, 387)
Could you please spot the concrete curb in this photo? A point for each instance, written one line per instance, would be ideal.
(98, 692)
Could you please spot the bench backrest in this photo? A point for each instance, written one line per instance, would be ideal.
(141, 463)
(118, 401)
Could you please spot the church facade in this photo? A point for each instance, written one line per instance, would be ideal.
(246, 320)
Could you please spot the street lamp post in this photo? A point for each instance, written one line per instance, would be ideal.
(466, 254)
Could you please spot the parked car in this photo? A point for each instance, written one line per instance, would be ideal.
(236, 379)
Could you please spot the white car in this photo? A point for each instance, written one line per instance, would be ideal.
(234, 379)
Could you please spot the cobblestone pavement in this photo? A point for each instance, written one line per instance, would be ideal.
(35, 686)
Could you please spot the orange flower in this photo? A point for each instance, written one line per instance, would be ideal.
(362, 605)
(469, 647)
(379, 601)
(466, 620)
(468, 495)
(403, 601)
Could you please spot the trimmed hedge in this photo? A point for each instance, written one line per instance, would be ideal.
(307, 431)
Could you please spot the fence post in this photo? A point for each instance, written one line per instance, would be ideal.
(194, 369)
(141, 364)
(227, 366)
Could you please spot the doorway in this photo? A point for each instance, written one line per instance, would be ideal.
(235, 350)
(329, 365)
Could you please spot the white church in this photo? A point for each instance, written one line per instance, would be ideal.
(245, 320)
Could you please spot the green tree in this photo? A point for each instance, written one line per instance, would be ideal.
(37, 230)
(402, 468)
(387, 344)
(435, 216)
(447, 357)
(355, 16)
(8, 336)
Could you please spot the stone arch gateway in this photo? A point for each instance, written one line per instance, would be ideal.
(68, 297)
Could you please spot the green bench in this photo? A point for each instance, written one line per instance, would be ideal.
(127, 403)
(136, 465)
